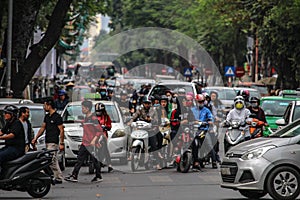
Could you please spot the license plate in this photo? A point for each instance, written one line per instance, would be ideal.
(225, 171)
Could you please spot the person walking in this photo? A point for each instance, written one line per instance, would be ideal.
(54, 136)
(91, 134)
(105, 122)
(24, 114)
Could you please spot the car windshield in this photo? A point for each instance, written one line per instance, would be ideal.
(296, 114)
(223, 94)
(274, 107)
(73, 113)
(161, 89)
(289, 131)
(36, 117)
(79, 93)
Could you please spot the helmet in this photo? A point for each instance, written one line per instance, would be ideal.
(164, 97)
(239, 102)
(244, 93)
(146, 100)
(11, 109)
(62, 92)
(200, 97)
(123, 92)
(110, 90)
(99, 107)
(254, 100)
(181, 91)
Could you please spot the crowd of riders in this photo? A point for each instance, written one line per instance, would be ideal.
(181, 109)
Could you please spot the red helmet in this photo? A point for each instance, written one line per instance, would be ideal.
(200, 97)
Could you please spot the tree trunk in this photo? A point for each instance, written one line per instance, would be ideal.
(40, 50)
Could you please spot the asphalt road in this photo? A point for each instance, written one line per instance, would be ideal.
(166, 184)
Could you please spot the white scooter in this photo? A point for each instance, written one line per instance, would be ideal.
(139, 145)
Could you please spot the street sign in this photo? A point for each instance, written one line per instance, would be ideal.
(208, 71)
(187, 72)
(229, 71)
(239, 71)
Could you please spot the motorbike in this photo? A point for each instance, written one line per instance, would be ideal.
(185, 160)
(256, 128)
(234, 134)
(139, 145)
(30, 173)
(167, 146)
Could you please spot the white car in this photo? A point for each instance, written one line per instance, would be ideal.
(117, 136)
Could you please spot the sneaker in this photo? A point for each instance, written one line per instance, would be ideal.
(71, 178)
(57, 181)
(110, 169)
(214, 165)
(97, 180)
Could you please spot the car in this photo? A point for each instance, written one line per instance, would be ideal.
(79, 91)
(265, 165)
(262, 88)
(117, 136)
(291, 114)
(6, 101)
(225, 94)
(162, 87)
(275, 106)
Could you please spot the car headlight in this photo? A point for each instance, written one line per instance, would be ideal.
(118, 133)
(257, 153)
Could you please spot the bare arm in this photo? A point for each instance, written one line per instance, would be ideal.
(41, 131)
(7, 137)
(61, 136)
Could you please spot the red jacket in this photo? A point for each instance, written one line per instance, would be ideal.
(106, 121)
(91, 128)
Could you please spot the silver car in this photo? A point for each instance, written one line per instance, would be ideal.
(117, 136)
(265, 165)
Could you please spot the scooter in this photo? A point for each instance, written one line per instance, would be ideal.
(184, 153)
(30, 173)
(234, 134)
(185, 161)
(256, 128)
(167, 146)
(139, 145)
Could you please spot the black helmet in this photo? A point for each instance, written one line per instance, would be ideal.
(110, 90)
(146, 100)
(99, 107)
(244, 93)
(11, 109)
(164, 97)
(254, 100)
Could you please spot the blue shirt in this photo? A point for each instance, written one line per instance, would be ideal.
(203, 115)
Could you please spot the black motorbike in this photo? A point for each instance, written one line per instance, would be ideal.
(30, 173)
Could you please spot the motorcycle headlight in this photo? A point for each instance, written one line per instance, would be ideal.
(257, 153)
(118, 133)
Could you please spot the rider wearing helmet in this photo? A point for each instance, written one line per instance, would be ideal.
(241, 113)
(13, 134)
(105, 123)
(62, 100)
(256, 110)
(245, 94)
(203, 114)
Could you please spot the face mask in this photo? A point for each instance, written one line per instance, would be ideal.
(254, 105)
(156, 105)
(189, 103)
(239, 105)
(201, 105)
(103, 93)
(99, 113)
(169, 98)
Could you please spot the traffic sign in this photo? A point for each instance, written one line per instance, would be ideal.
(187, 72)
(239, 71)
(229, 71)
(208, 71)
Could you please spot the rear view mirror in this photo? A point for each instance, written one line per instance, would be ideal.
(280, 122)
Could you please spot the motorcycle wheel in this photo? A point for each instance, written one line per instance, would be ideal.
(185, 162)
(135, 161)
(38, 188)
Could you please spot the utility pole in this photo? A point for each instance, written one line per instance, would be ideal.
(9, 45)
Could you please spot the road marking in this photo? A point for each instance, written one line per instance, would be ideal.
(159, 179)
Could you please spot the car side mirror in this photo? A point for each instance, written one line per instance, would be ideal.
(280, 122)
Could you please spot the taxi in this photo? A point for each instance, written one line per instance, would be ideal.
(275, 106)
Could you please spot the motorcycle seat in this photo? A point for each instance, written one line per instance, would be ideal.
(23, 159)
